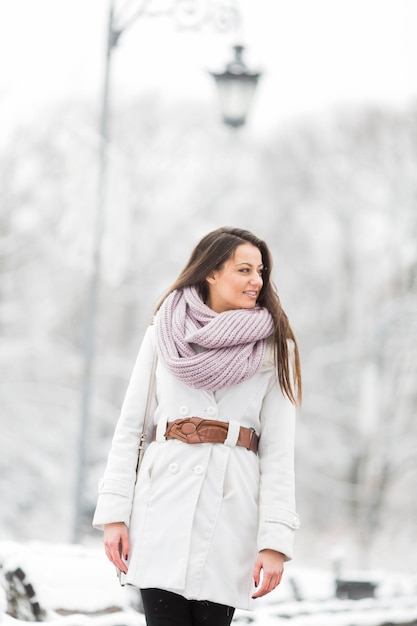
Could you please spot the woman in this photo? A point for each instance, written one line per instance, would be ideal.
(210, 520)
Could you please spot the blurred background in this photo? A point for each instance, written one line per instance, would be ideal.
(99, 214)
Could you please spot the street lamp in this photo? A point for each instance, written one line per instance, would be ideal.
(187, 14)
(236, 85)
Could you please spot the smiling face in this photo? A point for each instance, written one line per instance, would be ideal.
(237, 284)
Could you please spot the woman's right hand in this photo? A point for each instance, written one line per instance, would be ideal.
(116, 544)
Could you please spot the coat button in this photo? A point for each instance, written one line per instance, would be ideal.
(199, 469)
(184, 410)
(211, 411)
(173, 468)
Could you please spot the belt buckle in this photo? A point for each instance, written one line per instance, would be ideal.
(185, 430)
(188, 429)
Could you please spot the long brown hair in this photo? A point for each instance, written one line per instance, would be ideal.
(210, 254)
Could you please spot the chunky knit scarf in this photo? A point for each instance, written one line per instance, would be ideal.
(233, 342)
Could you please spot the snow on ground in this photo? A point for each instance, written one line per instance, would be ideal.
(77, 586)
(67, 577)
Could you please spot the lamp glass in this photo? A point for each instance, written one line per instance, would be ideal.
(235, 93)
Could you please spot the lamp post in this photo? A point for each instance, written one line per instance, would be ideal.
(236, 85)
(188, 14)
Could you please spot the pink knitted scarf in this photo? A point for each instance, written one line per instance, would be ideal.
(233, 342)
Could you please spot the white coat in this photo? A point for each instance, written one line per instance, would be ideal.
(198, 514)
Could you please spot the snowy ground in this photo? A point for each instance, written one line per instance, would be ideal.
(76, 586)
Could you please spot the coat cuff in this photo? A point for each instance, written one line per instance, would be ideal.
(114, 503)
(277, 530)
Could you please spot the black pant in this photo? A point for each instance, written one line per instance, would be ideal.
(163, 608)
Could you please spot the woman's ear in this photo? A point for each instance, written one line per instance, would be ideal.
(211, 279)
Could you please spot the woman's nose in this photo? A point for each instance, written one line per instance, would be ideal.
(256, 279)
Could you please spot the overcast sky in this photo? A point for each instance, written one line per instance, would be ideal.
(314, 54)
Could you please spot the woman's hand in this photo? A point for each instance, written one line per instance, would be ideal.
(272, 565)
(116, 544)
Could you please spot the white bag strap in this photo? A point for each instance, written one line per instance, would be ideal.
(147, 410)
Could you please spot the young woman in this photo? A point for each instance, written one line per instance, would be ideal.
(210, 520)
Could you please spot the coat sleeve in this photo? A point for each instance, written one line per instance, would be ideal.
(117, 485)
(278, 520)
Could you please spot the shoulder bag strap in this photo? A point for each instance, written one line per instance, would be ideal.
(147, 410)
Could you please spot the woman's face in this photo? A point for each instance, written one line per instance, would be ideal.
(239, 281)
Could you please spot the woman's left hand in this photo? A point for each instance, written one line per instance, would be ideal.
(271, 563)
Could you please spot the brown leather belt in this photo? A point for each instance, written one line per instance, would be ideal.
(198, 430)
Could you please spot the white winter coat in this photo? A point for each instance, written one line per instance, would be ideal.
(198, 514)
